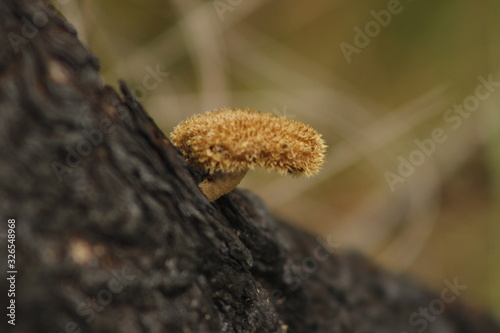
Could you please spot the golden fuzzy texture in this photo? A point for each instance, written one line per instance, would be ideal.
(235, 140)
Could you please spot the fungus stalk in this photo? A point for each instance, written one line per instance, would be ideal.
(225, 144)
(215, 186)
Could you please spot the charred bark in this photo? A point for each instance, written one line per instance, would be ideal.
(113, 235)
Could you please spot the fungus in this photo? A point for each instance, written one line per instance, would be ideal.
(224, 144)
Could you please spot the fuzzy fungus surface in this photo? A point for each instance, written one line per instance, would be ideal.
(235, 140)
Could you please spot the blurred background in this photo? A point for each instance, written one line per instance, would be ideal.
(399, 90)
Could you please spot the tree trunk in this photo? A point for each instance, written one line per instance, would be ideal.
(113, 235)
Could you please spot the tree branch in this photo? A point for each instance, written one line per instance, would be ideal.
(113, 234)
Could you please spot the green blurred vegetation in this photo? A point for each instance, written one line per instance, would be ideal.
(285, 57)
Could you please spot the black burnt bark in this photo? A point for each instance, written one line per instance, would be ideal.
(113, 235)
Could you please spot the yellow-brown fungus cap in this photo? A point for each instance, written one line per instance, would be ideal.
(236, 140)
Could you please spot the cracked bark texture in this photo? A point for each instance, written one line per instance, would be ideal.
(113, 234)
